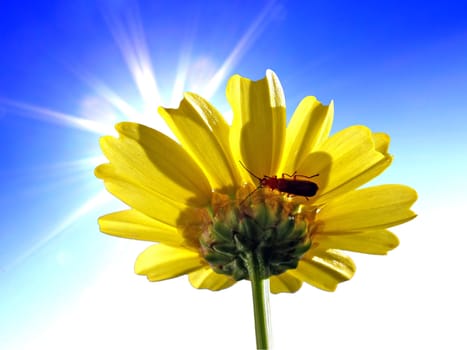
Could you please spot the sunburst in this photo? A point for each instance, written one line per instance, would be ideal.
(128, 33)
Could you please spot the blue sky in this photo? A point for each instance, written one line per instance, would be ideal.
(70, 70)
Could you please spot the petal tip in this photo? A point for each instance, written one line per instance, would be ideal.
(271, 74)
(104, 140)
(100, 171)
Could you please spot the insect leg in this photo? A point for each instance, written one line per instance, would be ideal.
(294, 175)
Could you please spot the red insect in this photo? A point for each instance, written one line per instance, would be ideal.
(291, 185)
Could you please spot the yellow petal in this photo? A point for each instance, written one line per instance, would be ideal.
(381, 141)
(135, 225)
(146, 201)
(206, 278)
(356, 181)
(353, 153)
(324, 269)
(160, 262)
(308, 128)
(154, 161)
(369, 242)
(370, 208)
(258, 128)
(284, 283)
(215, 120)
(188, 122)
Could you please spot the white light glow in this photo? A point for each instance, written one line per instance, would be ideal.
(49, 115)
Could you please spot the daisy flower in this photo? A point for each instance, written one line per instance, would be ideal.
(255, 200)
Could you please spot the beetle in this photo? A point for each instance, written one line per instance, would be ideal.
(299, 185)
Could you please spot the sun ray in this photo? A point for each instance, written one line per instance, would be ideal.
(252, 33)
(44, 178)
(129, 35)
(180, 78)
(49, 115)
(109, 95)
(96, 201)
(78, 164)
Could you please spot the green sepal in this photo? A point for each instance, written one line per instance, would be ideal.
(222, 231)
(273, 232)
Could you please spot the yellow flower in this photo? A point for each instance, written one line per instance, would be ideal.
(207, 213)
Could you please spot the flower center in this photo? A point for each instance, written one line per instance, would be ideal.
(264, 223)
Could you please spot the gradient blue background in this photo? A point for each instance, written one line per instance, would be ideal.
(395, 66)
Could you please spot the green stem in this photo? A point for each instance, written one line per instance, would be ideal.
(260, 291)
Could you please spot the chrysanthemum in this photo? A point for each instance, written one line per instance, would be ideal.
(208, 216)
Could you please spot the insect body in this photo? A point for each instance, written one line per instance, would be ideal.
(299, 185)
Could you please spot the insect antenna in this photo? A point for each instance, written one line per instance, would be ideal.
(249, 171)
(257, 177)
